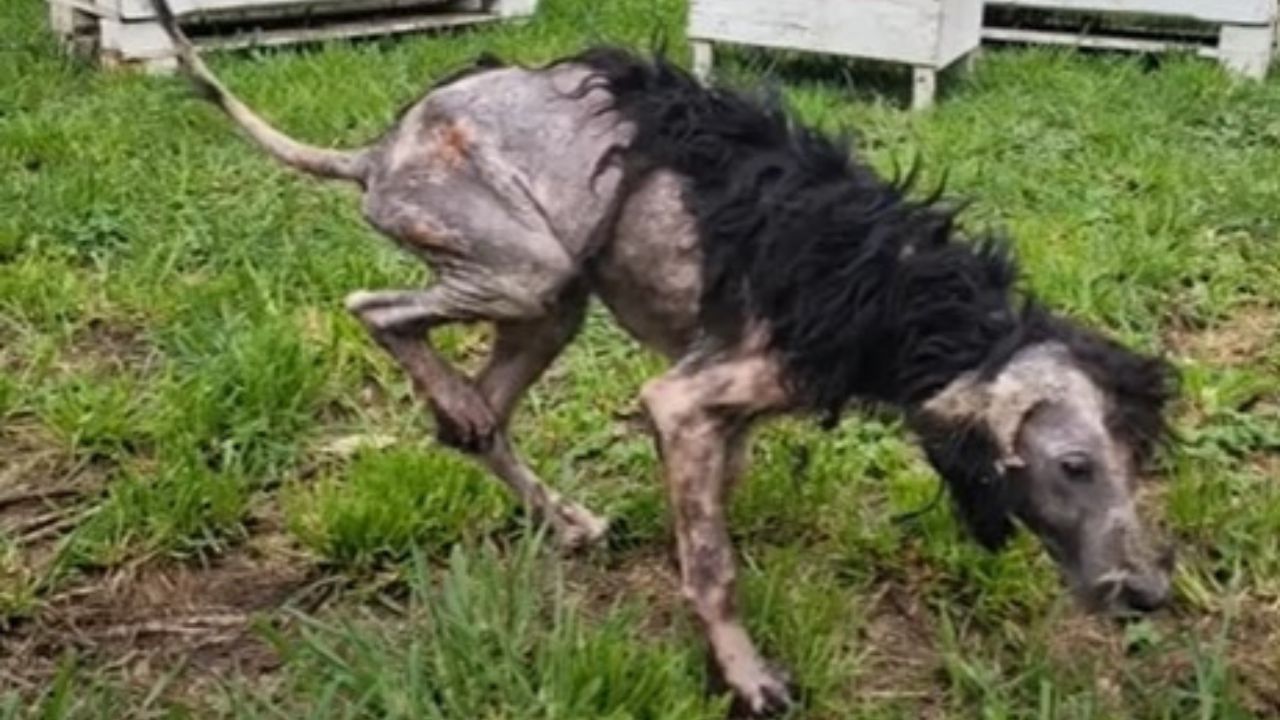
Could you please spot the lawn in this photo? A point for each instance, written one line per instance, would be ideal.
(218, 499)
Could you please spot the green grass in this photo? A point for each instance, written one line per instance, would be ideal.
(389, 502)
(491, 635)
(171, 327)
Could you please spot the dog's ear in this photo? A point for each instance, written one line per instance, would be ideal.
(966, 459)
(972, 401)
(1000, 404)
(1140, 388)
(964, 400)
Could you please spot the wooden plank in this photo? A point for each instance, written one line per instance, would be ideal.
(1247, 49)
(146, 41)
(351, 29)
(87, 7)
(193, 10)
(703, 58)
(128, 41)
(961, 30)
(1246, 12)
(62, 19)
(894, 30)
(1099, 42)
(514, 8)
(924, 86)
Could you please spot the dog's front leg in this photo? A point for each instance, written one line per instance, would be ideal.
(699, 416)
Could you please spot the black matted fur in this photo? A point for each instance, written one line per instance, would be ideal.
(965, 457)
(866, 294)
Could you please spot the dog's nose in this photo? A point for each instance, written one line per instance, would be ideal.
(1145, 592)
(1132, 592)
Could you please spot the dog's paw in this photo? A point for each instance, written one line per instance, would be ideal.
(360, 301)
(577, 528)
(760, 689)
(765, 695)
(464, 420)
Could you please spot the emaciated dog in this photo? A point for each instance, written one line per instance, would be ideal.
(776, 273)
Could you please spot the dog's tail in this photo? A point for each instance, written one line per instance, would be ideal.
(324, 162)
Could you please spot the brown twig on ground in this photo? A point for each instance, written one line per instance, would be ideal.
(190, 626)
(18, 498)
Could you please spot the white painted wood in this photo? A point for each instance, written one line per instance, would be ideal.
(1246, 12)
(160, 66)
(75, 28)
(124, 31)
(895, 30)
(62, 19)
(1098, 42)
(147, 42)
(971, 60)
(515, 8)
(961, 30)
(924, 87)
(335, 31)
(1247, 49)
(926, 34)
(703, 58)
(1247, 28)
(196, 10)
(131, 41)
(85, 6)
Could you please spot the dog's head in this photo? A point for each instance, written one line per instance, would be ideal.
(1053, 438)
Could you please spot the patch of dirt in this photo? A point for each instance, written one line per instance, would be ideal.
(147, 619)
(1240, 339)
(1079, 640)
(1255, 654)
(1267, 464)
(645, 579)
(1166, 658)
(43, 491)
(108, 345)
(901, 662)
(146, 622)
(98, 345)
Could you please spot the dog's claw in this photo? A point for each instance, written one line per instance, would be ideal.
(770, 697)
(578, 528)
(760, 690)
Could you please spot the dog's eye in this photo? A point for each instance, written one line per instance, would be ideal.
(1077, 466)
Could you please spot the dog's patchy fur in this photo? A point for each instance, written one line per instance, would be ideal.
(777, 274)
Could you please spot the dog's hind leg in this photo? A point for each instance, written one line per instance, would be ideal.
(469, 182)
(521, 352)
(400, 321)
(472, 416)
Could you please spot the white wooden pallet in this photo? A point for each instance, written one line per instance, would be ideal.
(928, 35)
(125, 32)
(1245, 39)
